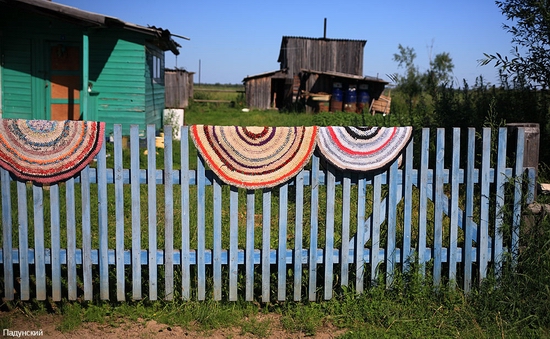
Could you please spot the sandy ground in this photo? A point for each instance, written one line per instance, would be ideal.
(49, 323)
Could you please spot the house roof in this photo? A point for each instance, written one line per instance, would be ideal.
(162, 37)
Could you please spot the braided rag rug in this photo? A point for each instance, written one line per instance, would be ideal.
(362, 148)
(255, 157)
(47, 151)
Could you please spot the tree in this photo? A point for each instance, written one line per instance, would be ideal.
(413, 83)
(439, 74)
(410, 83)
(530, 29)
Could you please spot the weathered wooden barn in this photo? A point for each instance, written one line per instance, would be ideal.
(63, 63)
(311, 68)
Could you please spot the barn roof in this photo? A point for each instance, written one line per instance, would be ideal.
(347, 76)
(162, 37)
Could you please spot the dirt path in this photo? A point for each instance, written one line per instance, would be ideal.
(48, 325)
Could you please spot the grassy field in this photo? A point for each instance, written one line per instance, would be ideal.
(515, 304)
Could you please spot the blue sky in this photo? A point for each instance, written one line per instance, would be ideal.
(234, 39)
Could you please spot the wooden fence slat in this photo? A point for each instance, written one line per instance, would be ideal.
(438, 206)
(185, 218)
(152, 210)
(468, 258)
(23, 221)
(249, 247)
(359, 236)
(103, 224)
(453, 227)
(266, 244)
(119, 212)
(483, 245)
(72, 275)
(39, 250)
(391, 255)
(345, 243)
(233, 242)
(168, 215)
(201, 226)
(423, 198)
(281, 253)
(500, 181)
(518, 173)
(312, 286)
(86, 234)
(407, 206)
(376, 220)
(7, 234)
(298, 236)
(135, 192)
(55, 250)
(329, 232)
(217, 241)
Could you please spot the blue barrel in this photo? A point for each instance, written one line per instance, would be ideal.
(363, 98)
(350, 100)
(336, 97)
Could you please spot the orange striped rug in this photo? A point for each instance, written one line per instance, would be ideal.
(255, 157)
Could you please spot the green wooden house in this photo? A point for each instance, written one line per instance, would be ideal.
(61, 63)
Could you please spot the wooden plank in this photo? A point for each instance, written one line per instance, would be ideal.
(407, 206)
(86, 234)
(469, 211)
(312, 287)
(249, 247)
(329, 232)
(453, 227)
(391, 255)
(345, 247)
(483, 245)
(201, 226)
(376, 220)
(103, 224)
(152, 210)
(233, 242)
(72, 275)
(168, 215)
(438, 206)
(359, 244)
(266, 244)
(39, 250)
(7, 235)
(23, 220)
(185, 219)
(119, 212)
(136, 212)
(217, 241)
(500, 181)
(283, 224)
(423, 198)
(55, 233)
(518, 176)
(298, 236)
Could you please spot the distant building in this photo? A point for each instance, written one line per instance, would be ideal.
(63, 63)
(311, 69)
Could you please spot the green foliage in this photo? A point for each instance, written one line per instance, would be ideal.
(529, 27)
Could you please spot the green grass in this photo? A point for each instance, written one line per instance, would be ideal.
(515, 304)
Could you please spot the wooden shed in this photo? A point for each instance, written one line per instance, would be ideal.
(178, 88)
(311, 66)
(62, 63)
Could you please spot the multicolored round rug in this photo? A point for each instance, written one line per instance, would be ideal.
(255, 157)
(362, 148)
(46, 151)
